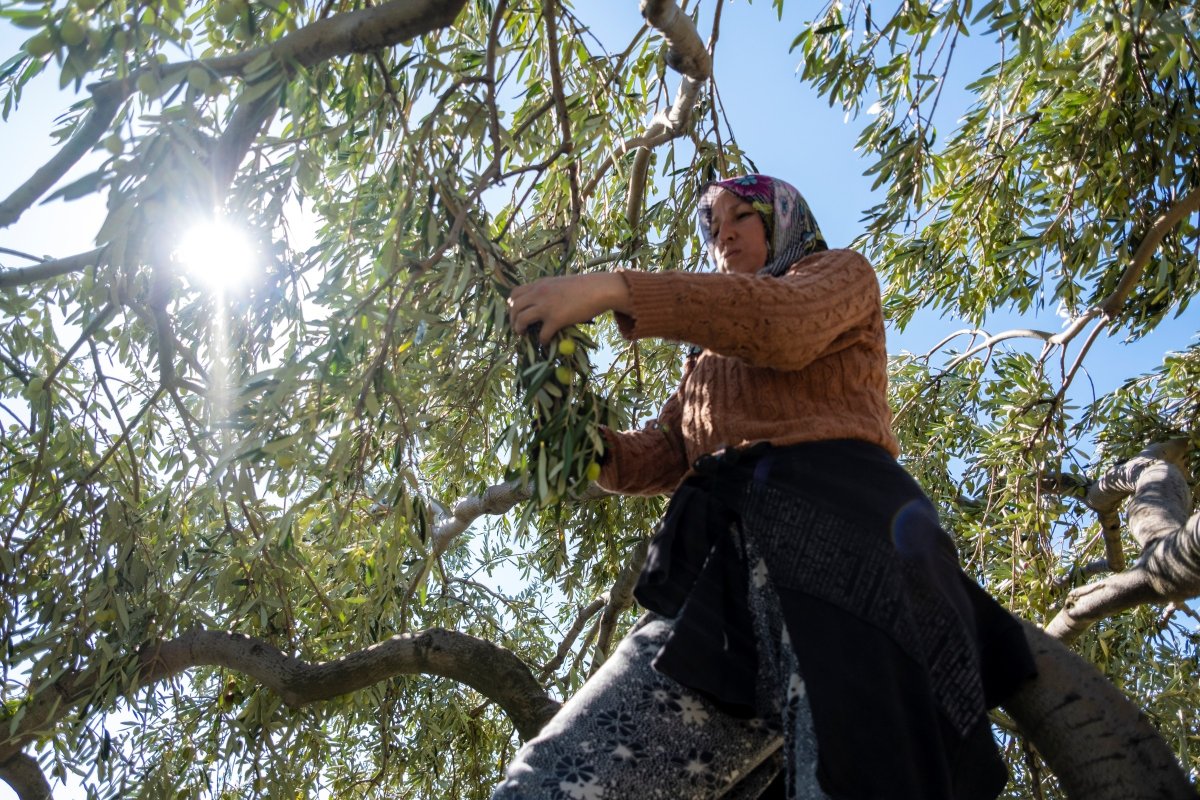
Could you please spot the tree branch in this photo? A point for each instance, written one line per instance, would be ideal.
(564, 121)
(1168, 569)
(620, 597)
(687, 55)
(52, 268)
(498, 499)
(25, 777)
(564, 647)
(1099, 744)
(990, 342)
(104, 109)
(352, 32)
(1187, 205)
(1107, 308)
(489, 669)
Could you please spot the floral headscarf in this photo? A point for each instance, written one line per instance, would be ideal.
(792, 231)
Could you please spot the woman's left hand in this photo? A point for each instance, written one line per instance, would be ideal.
(566, 300)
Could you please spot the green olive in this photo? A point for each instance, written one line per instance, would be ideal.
(41, 45)
(72, 32)
(227, 13)
(199, 78)
(147, 84)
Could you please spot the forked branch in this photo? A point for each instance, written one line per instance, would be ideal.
(687, 55)
(1168, 569)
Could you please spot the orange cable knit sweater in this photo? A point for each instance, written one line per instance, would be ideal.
(793, 359)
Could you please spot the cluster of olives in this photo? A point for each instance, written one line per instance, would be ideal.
(564, 444)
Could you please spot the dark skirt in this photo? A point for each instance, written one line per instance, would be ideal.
(901, 653)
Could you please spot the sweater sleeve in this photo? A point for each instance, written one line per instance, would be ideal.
(783, 323)
(649, 461)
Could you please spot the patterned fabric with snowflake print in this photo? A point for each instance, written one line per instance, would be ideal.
(631, 732)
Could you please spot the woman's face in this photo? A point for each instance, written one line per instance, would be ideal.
(739, 239)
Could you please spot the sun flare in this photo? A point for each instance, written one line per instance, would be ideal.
(217, 254)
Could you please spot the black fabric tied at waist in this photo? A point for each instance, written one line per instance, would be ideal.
(884, 623)
(693, 574)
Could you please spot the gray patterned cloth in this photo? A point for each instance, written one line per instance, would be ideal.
(632, 732)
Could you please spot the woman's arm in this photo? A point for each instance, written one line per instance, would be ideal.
(566, 300)
(649, 461)
(783, 323)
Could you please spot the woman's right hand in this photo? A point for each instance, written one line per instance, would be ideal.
(564, 300)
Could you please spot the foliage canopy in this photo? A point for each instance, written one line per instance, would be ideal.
(285, 462)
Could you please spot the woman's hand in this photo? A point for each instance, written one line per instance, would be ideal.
(566, 300)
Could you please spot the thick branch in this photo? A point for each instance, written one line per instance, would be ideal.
(84, 139)
(491, 670)
(52, 268)
(1160, 494)
(353, 32)
(686, 53)
(1168, 569)
(25, 777)
(1099, 744)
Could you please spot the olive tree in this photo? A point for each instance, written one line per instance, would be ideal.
(332, 533)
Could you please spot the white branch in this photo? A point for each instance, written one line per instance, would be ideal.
(620, 597)
(1168, 569)
(498, 499)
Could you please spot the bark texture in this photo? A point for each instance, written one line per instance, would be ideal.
(496, 673)
(25, 777)
(1099, 744)
(1168, 569)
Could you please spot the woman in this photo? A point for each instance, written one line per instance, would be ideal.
(807, 608)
